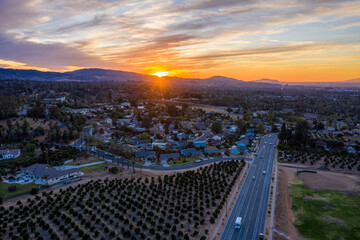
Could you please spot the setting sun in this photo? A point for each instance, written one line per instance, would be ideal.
(160, 74)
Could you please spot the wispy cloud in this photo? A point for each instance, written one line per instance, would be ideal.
(201, 36)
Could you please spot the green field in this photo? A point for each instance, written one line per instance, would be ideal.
(94, 168)
(23, 157)
(20, 189)
(325, 214)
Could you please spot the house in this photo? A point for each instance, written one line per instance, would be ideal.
(250, 135)
(190, 152)
(311, 116)
(244, 141)
(350, 149)
(199, 143)
(211, 150)
(235, 150)
(218, 137)
(44, 174)
(108, 121)
(200, 126)
(9, 153)
(183, 144)
(160, 144)
(320, 144)
(169, 156)
(145, 155)
(241, 147)
(124, 121)
(182, 136)
(213, 142)
(174, 145)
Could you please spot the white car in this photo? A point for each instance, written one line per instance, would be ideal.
(253, 177)
(198, 161)
(264, 172)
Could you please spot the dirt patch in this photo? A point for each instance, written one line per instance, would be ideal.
(330, 220)
(310, 198)
(330, 181)
(283, 213)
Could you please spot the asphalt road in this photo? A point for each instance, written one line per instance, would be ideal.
(252, 201)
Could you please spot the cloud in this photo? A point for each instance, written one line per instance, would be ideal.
(53, 55)
(194, 34)
(266, 50)
(19, 13)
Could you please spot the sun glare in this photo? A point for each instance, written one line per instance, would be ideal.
(161, 74)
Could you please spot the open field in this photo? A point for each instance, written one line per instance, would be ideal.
(331, 181)
(94, 168)
(20, 189)
(325, 214)
(311, 203)
(164, 207)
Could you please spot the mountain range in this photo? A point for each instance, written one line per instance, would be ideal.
(98, 75)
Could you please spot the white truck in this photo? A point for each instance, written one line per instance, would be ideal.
(238, 222)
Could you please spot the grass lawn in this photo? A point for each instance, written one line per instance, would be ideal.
(23, 156)
(91, 161)
(183, 161)
(20, 189)
(325, 214)
(94, 168)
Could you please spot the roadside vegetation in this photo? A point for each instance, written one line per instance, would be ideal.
(325, 214)
(180, 206)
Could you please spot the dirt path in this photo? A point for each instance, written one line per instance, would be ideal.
(283, 213)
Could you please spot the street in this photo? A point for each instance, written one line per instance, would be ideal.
(252, 201)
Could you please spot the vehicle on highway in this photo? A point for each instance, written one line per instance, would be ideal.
(261, 236)
(270, 143)
(253, 177)
(264, 172)
(197, 161)
(238, 222)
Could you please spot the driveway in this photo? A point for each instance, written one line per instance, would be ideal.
(65, 167)
(164, 163)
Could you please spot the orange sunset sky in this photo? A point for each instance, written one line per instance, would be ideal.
(297, 40)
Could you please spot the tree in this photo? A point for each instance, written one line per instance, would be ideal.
(34, 191)
(282, 134)
(113, 170)
(30, 148)
(172, 110)
(261, 128)
(274, 128)
(216, 127)
(301, 133)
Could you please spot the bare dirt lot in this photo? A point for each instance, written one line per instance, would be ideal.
(330, 181)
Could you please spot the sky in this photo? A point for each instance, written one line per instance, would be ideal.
(296, 40)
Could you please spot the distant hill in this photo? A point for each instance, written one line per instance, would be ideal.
(357, 80)
(266, 80)
(85, 75)
(99, 75)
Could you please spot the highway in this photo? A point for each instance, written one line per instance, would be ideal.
(252, 201)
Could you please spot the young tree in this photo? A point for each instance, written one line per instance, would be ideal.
(216, 127)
